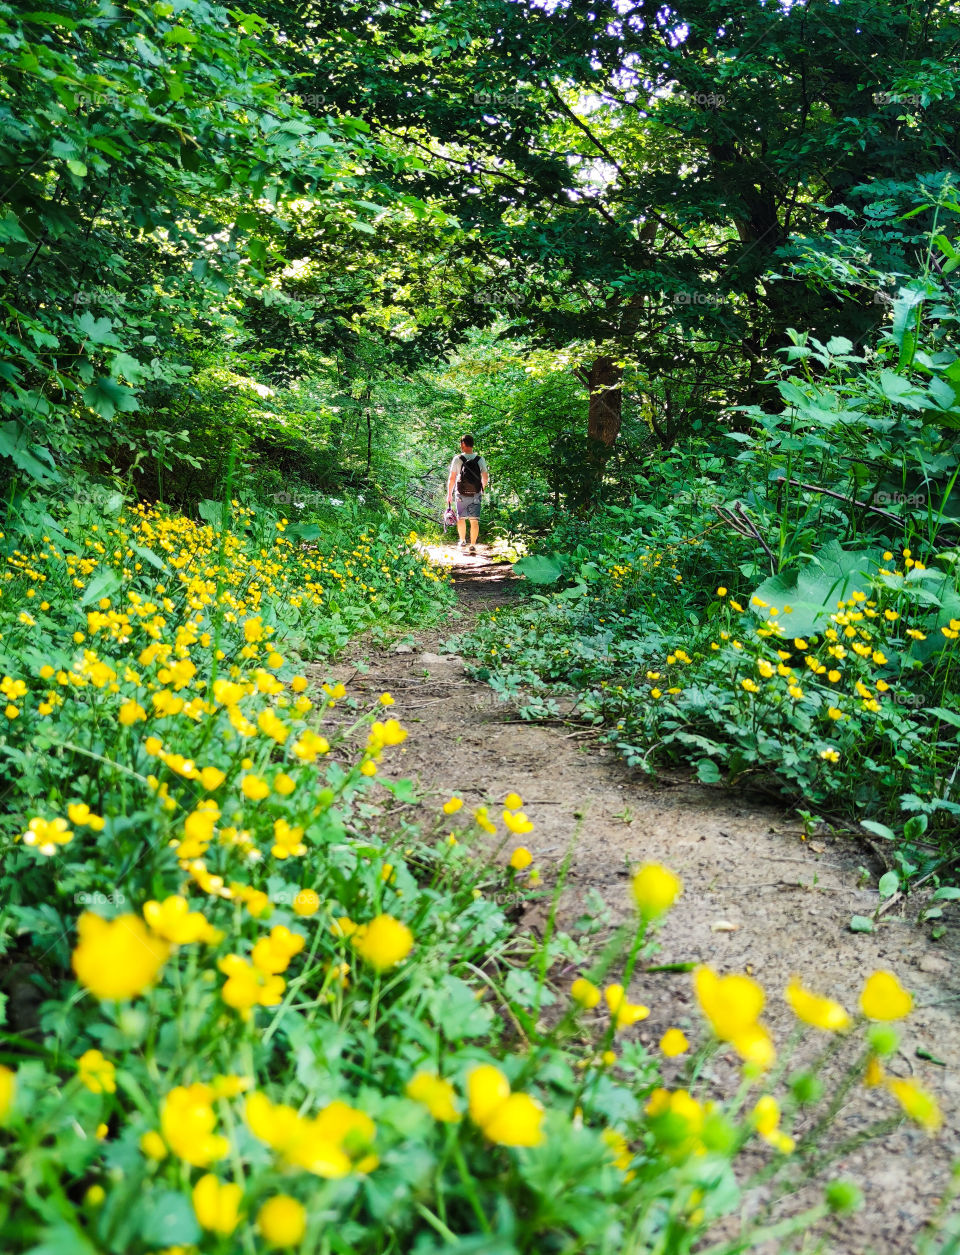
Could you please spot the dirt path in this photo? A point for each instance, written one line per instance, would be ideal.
(758, 897)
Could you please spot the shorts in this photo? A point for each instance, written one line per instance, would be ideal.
(468, 507)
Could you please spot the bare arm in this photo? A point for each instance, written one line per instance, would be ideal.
(451, 482)
(484, 478)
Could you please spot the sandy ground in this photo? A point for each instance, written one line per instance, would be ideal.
(758, 897)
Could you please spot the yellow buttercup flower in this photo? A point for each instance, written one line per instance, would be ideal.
(307, 902)
(452, 805)
(673, 1043)
(917, 1103)
(733, 1004)
(282, 1221)
(884, 998)
(517, 823)
(521, 858)
(119, 958)
(188, 1123)
(383, 942)
(436, 1094)
(173, 920)
(513, 802)
(822, 1013)
(766, 1119)
(625, 1013)
(8, 1089)
(655, 889)
(217, 1204)
(584, 992)
(97, 1073)
(506, 1118)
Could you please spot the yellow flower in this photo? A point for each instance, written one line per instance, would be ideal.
(520, 858)
(217, 1203)
(480, 815)
(153, 1145)
(436, 1094)
(255, 788)
(283, 784)
(721, 591)
(247, 986)
(282, 1221)
(766, 1119)
(173, 920)
(119, 958)
(507, 1119)
(585, 992)
(884, 998)
(130, 713)
(8, 1089)
(733, 1004)
(386, 699)
(272, 954)
(211, 778)
(97, 1073)
(383, 942)
(451, 806)
(917, 1103)
(655, 889)
(625, 1013)
(307, 902)
(517, 823)
(513, 801)
(874, 1074)
(673, 1043)
(188, 1123)
(822, 1013)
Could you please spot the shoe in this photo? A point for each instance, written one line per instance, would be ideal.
(472, 549)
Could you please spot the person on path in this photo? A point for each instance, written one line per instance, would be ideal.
(468, 478)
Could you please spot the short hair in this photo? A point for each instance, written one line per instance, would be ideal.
(467, 440)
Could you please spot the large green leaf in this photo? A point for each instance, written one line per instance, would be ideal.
(812, 592)
(539, 569)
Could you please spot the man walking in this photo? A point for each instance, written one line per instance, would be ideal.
(467, 479)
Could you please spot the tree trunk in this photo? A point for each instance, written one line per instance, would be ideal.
(606, 400)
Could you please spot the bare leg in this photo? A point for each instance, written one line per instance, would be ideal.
(462, 529)
(474, 530)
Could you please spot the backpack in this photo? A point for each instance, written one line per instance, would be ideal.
(469, 482)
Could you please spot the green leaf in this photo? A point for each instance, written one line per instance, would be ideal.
(104, 584)
(166, 1218)
(106, 397)
(861, 924)
(889, 884)
(707, 771)
(76, 167)
(879, 830)
(539, 569)
(831, 575)
(947, 893)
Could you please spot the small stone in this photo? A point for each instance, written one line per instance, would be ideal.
(933, 964)
(403, 649)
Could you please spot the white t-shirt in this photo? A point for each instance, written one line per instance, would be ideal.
(457, 462)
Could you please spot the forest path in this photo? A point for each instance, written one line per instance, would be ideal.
(758, 897)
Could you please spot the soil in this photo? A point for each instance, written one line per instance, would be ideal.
(759, 897)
